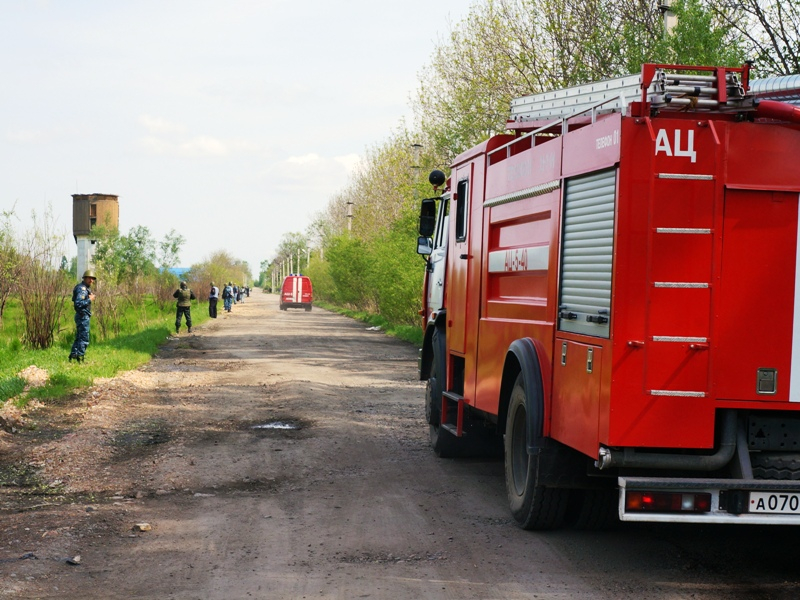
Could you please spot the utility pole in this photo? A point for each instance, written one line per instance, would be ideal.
(349, 216)
(416, 150)
(670, 18)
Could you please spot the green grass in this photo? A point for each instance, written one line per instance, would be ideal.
(408, 333)
(142, 332)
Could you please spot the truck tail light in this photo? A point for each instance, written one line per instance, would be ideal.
(695, 502)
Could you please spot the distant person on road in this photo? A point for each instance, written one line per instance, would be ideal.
(240, 294)
(227, 297)
(185, 297)
(82, 297)
(235, 292)
(213, 298)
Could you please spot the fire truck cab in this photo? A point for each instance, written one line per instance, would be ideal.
(612, 289)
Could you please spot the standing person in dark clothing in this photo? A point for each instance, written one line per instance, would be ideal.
(185, 297)
(227, 297)
(82, 297)
(213, 298)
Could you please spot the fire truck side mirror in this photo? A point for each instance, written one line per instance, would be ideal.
(424, 245)
(427, 217)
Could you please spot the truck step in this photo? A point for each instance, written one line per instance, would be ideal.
(452, 429)
(453, 413)
(453, 397)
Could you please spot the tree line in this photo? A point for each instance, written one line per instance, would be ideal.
(364, 253)
(133, 271)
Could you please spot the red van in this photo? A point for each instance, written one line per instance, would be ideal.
(296, 292)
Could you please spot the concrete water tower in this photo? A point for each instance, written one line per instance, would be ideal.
(89, 210)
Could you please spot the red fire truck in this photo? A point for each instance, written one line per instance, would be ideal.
(296, 292)
(612, 288)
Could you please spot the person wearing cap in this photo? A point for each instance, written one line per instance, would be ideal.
(185, 297)
(213, 298)
(82, 297)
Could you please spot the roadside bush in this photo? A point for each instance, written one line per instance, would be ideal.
(43, 293)
(349, 269)
(396, 274)
(321, 280)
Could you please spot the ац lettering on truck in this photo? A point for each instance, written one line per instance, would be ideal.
(611, 290)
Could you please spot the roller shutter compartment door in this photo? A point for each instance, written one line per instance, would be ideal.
(586, 254)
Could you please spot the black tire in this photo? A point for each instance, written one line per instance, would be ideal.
(434, 387)
(308, 308)
(444, 443)
(283, 307)
(533, 505)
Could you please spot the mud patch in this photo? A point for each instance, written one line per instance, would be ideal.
(25, 479)
(19, 475)
(174, 366)
(139, 435)
(235, 487)
(385, 558)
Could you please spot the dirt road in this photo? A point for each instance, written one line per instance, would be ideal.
(283, 455)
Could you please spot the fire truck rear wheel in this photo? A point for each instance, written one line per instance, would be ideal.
(533, 505)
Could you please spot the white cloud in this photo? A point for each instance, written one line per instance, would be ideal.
(157, 125)
(196, 147)
(25, 136)
(310, 176)
(350, 161)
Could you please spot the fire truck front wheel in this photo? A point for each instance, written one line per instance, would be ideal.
(444, 443)
(533, 505)
(433, 387)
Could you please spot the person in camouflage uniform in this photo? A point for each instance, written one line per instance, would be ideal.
(82, 297)
(227, 297)
(185, 297)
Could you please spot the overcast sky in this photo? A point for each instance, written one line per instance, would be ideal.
(232, 122)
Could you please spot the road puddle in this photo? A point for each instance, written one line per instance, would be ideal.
(277, 425)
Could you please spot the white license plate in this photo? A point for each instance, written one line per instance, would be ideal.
(775, 502)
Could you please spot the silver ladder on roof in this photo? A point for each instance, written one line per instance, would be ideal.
(667, 90)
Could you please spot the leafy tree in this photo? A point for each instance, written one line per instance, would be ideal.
(505, 49)
(10, 260)
(771, 30)
(701, 36)
(220, 267)
(501, 50)
(122, 259)
(169, 249)
(292, 253)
